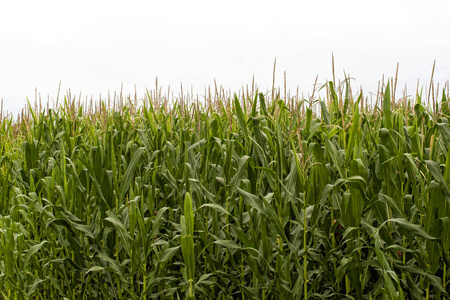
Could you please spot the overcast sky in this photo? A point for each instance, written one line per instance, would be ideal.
(93, 47)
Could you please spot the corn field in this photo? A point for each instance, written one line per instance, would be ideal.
(236, 197)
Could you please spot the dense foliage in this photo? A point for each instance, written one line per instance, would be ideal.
(235, 198)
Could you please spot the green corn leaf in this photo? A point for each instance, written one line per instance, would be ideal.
(168, 253)
(32, 251)
(240, 116)
(129, 173)
(227, 243)
(251, 200)
(412, 228)
(387, 121)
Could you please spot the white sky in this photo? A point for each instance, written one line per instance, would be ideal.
(93, 47)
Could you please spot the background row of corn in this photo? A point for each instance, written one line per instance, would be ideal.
(243, 197)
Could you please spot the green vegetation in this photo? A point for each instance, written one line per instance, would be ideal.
(237, 197)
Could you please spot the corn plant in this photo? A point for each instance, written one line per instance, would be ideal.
(237, 197)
